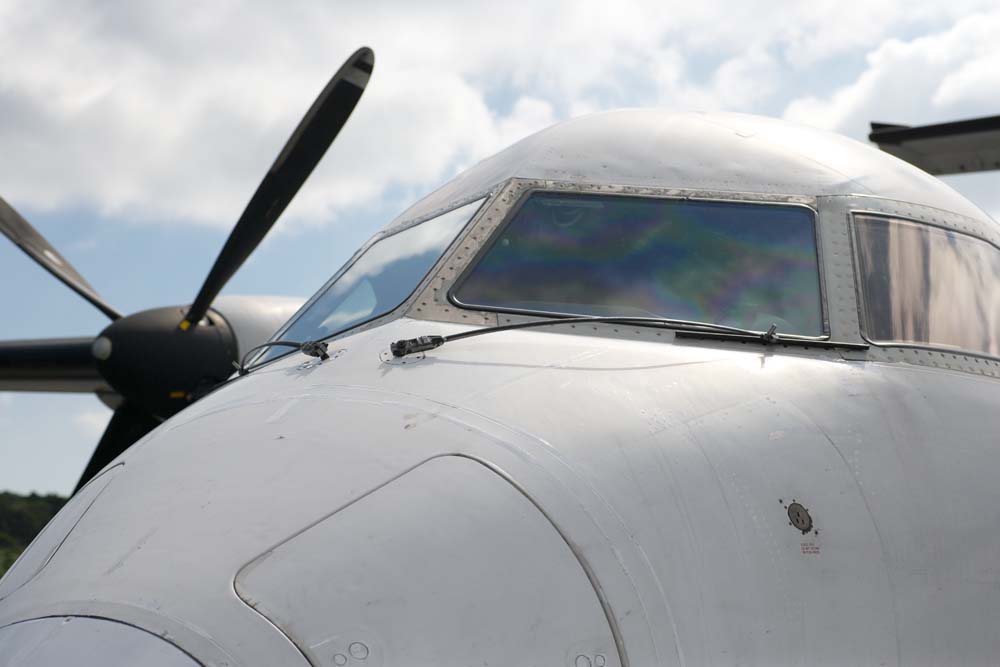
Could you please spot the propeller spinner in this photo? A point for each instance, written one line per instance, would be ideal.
(154, 365)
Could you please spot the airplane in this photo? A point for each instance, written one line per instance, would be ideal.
(644, 388)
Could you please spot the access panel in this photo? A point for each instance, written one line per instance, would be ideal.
(448, 564)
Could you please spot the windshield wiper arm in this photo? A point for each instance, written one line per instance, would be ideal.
(311, 348)
(401, 348)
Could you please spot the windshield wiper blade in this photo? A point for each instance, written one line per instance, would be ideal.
(401, 348)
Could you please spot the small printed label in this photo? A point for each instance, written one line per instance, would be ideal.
(810, 548)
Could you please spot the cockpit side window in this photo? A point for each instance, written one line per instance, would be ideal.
(740, 264)
(378, 281)
(927, 286)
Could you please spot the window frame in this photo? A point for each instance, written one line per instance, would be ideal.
(862, 297)
(381, 235)
(738, 198)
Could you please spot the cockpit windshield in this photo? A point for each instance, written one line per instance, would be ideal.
(378, 281)
(740, 264)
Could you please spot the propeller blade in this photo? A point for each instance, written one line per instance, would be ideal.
(296, 161)
(127, 425)
(26, 237)
(53, 364)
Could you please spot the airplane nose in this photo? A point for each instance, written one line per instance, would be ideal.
(87, 642)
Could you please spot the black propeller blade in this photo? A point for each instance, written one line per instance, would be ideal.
(298, 158)
(20, 231)
(127, 425)
(53, 364)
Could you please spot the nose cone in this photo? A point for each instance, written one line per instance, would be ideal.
(87, 642)
(336, 529)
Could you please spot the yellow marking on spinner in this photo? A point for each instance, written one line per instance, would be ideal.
(185, 325)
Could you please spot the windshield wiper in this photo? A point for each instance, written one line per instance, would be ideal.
(401, 348)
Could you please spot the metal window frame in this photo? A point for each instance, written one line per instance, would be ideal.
(396, 311)
(533, 187)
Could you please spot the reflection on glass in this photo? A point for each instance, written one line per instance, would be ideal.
(378, 281)
(738, 264)
(928, 286)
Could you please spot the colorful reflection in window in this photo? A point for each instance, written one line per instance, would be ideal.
(924, 285)
(739, 264)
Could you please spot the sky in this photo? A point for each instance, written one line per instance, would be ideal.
(132, 134)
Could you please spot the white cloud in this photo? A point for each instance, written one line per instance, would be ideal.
(975, 82)
(737, 84)
(90, 424)
(171, 112)
(946, 75)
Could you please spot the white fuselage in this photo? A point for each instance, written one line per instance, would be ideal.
(667, 467)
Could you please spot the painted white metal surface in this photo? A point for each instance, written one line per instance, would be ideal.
(665, 464)
(488, 579)
(87, 642)
(44, 546)
(649, 477)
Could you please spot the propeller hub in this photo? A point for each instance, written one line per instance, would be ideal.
(160, 368)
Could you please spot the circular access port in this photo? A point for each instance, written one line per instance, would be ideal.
(799, 516)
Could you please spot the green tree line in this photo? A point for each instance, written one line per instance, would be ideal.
(21, 518)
